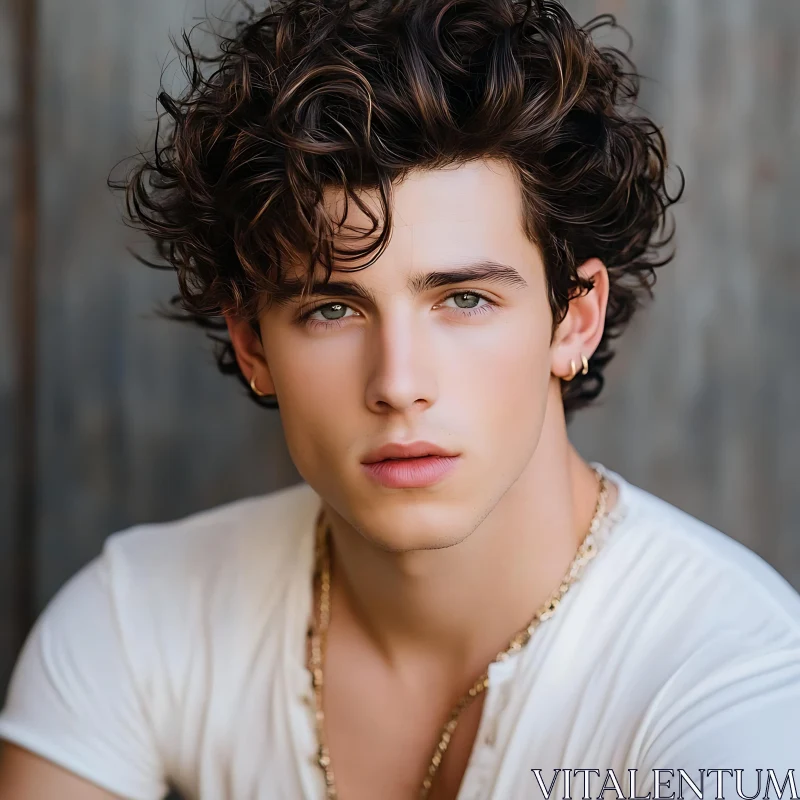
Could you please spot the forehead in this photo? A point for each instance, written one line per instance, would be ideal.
(460, 214)
(474, 200)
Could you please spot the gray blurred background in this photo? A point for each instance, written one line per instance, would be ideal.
(110, 416)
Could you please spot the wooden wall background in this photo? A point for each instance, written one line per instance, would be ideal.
(9, 531)
(132, 423)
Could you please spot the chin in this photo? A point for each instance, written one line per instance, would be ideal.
(411, 544)
(400, 533)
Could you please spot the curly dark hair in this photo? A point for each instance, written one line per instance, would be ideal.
(311, 94)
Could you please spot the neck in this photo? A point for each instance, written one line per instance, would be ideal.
(458, 606)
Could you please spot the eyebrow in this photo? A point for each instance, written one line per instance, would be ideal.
(485, 271)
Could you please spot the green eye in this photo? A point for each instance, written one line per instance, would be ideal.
(462, 295)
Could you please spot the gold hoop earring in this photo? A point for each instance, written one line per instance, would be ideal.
(255, 388)
(573, 371)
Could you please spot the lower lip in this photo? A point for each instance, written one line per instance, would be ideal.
(411, 473)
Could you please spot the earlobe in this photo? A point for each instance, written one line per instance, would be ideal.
(250, 355)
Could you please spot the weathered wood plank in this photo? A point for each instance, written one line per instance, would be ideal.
(135, 422)
(9, 587)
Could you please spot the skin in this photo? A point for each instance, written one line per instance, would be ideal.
(428, 584)
(26, 776)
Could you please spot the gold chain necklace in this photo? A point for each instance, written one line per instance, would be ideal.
(584, 554)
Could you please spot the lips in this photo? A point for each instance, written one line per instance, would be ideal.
(411, 473)
(399, 450)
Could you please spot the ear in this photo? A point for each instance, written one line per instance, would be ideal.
(249, 350)
(582, 328)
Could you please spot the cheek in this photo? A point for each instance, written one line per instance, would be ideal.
(305, 433)
(311, 374)
(313, 392)
(508, 369)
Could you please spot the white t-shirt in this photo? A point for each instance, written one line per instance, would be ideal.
(177, 657)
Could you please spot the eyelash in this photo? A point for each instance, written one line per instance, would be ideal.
(467, 312)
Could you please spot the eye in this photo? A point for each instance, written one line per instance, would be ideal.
(472, 300)
(334, 320)
(336, 315)
(468, 303)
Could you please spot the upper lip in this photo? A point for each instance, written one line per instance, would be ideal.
(408, 450)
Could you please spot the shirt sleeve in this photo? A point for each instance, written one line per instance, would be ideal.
(740, 716)
(72, 698)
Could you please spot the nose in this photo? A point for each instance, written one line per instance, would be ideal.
(402, 364)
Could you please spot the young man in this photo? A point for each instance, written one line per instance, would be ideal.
(422, 224)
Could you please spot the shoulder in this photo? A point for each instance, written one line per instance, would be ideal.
(265, 532)
(209, 582)
(691, 576)
(152, 639)
(714, 639)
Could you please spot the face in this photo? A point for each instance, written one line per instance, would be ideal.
(465, 366)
